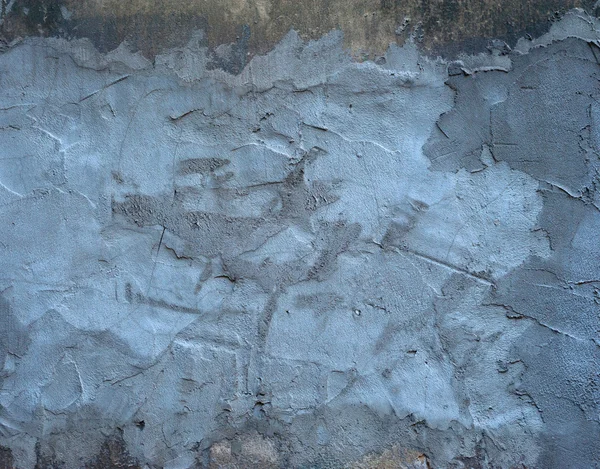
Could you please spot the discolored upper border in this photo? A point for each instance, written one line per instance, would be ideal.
(443, 27)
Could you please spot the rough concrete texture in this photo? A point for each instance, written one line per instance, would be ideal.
(255, 26)
(315, 263)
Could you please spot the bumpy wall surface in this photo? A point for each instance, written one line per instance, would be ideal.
(219, 256)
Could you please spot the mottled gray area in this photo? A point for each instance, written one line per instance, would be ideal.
(315, 263)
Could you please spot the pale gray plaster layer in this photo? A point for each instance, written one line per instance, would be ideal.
(304, 264)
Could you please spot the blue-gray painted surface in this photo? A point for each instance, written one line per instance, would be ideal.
(314, 263)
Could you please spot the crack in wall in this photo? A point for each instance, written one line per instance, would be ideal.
(306, 263)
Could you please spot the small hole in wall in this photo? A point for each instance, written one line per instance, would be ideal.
(140, 424)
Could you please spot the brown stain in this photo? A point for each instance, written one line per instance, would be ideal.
(393, 458)
(252, 451)
(369, 26)
(113, 455)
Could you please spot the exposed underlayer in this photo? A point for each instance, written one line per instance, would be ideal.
(312, 263)
(448, 27)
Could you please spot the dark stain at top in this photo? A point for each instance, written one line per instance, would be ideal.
(443, 27)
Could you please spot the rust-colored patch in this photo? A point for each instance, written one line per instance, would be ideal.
(257, 25)
(113, 455)
(393, 458)
(246, 452)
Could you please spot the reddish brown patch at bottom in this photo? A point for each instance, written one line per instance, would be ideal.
(247, 452)
(393, 458)
(114, 455)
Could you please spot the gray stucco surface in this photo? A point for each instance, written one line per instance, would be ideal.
(313, 263)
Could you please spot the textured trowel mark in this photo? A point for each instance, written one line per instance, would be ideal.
(548, 145)
(559, 298)
(502, 111)
(265, 270)
(541, 119)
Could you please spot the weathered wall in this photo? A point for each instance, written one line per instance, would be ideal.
(298, 259)
(255, 26)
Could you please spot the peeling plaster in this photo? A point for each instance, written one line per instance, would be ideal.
(310, 263)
